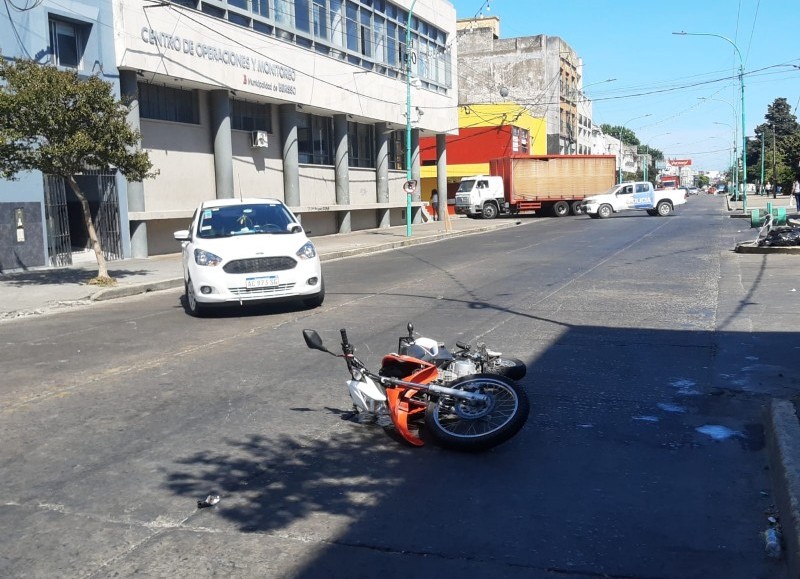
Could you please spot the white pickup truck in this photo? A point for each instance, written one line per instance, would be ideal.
(633, 195)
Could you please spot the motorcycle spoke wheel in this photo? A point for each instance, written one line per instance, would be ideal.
(465, 425)
(509, 367)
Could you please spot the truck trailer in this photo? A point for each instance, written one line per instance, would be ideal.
(551, 184)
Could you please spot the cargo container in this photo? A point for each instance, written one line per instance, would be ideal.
(549, 184)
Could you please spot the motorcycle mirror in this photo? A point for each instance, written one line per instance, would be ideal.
(410, 330)
(313, 340)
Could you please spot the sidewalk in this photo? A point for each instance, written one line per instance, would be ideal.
(37, 291)
(760, 202)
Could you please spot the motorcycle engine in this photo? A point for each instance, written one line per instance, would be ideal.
(462, 368)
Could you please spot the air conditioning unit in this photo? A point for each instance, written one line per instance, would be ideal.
(259, 140)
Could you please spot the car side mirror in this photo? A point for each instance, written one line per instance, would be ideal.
(182, 235)
(295, 228)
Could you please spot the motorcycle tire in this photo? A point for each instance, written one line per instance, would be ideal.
(508, 367)
(462, 425)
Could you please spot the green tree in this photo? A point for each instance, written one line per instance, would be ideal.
(60, 124)
(627, 136)
(781, 145)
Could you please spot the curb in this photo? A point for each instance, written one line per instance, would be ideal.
(135, 289)
(783, 448)
(746, 247)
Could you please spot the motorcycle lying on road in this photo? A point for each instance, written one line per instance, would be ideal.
(470, 413)
(461, 362)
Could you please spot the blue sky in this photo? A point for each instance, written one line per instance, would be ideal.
(665, 76)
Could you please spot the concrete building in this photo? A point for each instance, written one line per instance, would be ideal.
(542, 73)
(303, 101)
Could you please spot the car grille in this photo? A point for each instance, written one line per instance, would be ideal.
(262, 292)
(259, 264)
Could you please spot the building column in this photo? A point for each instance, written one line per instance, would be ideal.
(291, 168)
(223, 153)
(415, 164)
(128, 82)
(342, 171)
(382, 133)
(441, 173)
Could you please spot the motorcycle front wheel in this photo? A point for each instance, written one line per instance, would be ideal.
(508, 367)
(473, 426)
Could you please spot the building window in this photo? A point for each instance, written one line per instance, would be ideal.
(166, 103)
(361, 145)
(67, 42)
(368, 33)
(247, 116)
(397, 150)
(315, 139)
(519, 140)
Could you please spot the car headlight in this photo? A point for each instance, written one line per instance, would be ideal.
(307, 251)
(203, 257)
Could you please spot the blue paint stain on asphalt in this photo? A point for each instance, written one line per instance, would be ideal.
(718, 432)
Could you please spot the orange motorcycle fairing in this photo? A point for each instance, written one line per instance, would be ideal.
(401, 401)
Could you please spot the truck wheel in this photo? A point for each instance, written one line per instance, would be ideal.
(489, 211)
(664, 208)
(604, 211)
(560, 208)
(577, 207)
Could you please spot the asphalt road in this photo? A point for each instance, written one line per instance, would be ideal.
(642, 457)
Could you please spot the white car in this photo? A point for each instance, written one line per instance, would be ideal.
(239, 251)
(638, 195)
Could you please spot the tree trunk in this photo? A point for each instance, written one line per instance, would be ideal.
(102, 269)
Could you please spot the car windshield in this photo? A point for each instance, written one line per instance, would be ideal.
(466, 186)
(244, 219)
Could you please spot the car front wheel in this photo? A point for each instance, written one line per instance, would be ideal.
(604, 211)
(193, 307)
(316, 301)
(489, 211)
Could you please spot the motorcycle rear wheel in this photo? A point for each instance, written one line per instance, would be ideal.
(509, 367)
(468, 426)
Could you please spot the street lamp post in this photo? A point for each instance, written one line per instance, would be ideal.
(741, 85)
(760, 137)
(774, 168)
(735, 176)
(408, 117)
(621, 152)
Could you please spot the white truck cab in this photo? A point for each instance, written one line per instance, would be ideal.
(633, 195)
(481, 195)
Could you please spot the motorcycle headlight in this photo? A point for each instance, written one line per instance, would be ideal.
(356, 374)
(203, 257)
(307, 251)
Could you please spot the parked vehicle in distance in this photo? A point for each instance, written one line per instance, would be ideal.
(669, 182)
(239, 251)
(638, 195)
(554, 184)
(693, 191)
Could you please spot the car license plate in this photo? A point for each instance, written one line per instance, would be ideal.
(256, 282)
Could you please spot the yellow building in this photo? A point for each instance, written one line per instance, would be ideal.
(486, 131)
